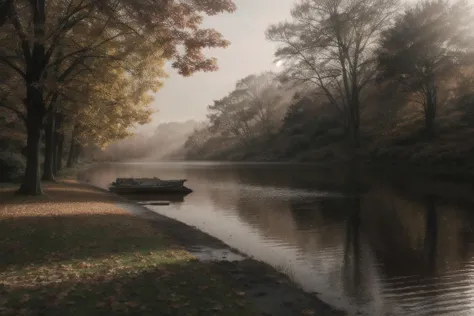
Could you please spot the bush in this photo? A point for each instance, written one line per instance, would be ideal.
(12, 167)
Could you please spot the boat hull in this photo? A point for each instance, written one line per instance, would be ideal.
(150, 190)
(148, 186)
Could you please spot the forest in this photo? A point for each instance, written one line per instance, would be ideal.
(81, 74)
(380, 81)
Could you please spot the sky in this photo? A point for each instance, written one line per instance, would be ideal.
(182, 98)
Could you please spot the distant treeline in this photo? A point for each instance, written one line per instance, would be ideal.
(164, 143)
(372, 79)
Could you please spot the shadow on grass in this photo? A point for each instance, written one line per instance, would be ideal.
(37, 240)
(93, 258)
(183, 288)
(57, 191)
(59, 257)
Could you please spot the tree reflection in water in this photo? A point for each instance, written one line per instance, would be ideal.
(407, 243)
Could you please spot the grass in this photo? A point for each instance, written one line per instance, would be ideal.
(73, 252)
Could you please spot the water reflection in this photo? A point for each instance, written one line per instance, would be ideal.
(366, 245)
(431, 233)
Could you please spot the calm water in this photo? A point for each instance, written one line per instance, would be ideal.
(380, 247)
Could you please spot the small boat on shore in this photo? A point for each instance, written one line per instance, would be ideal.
(148, 185)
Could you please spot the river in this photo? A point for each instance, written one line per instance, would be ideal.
(387, 246)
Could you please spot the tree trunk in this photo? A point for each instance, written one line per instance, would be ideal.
(58, 144)
(55, 154)
(72, 149)
(431, 231)
(36, 108)
(430, 110)
(355, 120)
(430, 117)
(31, 183)
(49, 149)
(70, 158)
(77, 153)
(353, 133)
(59, 153)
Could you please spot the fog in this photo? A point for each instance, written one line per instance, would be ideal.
(181, 105)
(182, 99)
(166, 141)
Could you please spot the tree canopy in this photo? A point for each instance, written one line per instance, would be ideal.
(97, 62)
(254, 107)
(373, 79)
(330, 44)
(428, 45)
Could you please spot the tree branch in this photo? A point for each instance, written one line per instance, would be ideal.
(20, 114)
(13, 66)
(21, 34)
(88, 48)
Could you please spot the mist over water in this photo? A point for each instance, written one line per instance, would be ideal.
(399, 247)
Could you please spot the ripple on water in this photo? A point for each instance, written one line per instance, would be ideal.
(363, 254)
(449, 294)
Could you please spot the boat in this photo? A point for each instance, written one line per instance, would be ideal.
(176, 197)
(148, 185)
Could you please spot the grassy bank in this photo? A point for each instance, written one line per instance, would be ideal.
(74, 252)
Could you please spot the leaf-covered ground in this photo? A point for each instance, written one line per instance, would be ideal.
(73, 252)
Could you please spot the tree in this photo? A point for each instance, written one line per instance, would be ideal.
(264, 94)
(97, 29)
(254, 107)
(231, 116)
(426, 46)
(331, 44)
(101, 105)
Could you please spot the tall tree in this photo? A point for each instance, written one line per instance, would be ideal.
(252, 108)
(58, 144)
(330, 43)
(264, 94)
(97, 29)
(231, 116)
(426, 46)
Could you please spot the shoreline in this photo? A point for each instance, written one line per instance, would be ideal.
(448, 172)
(271, 291)
(103, 227)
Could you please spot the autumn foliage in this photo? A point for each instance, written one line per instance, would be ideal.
(89, 68)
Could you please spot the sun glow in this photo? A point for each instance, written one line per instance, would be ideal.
(280, 63)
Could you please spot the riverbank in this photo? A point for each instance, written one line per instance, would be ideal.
(448, 156)
(79, 250)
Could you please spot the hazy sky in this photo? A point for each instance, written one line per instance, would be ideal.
(250, 52)
(187, 98)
